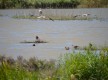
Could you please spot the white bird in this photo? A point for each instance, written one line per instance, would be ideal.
(43, 17)
(40, 12)
(85, 15)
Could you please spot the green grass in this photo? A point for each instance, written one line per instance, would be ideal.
(83, 65)
(8, 72)
(21, 69)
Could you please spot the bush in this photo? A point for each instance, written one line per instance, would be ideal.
(84, 65)
(89, 64)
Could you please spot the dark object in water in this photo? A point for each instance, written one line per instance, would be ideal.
(33, 42)
(34, 45)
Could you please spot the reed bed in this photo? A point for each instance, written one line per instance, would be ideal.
(53, 3)
(39, 3)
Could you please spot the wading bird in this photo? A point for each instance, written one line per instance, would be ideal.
(40, 12)
(85, 15)
(67, 48)
(75, 47)
(43, 17)
(37, 39)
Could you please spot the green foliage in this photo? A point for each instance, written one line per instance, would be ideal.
(52, 3)
(21, 69)
(38, 4)
(87, 65)
(93, 3)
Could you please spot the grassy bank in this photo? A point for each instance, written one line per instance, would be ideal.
(87, 65)
(52, 3)
(57, 17)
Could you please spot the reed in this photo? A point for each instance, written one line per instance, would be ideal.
(38, 3)
(4, 4)
(87, 65)
(21, 69)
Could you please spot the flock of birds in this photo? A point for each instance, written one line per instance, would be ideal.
(41, 16)
(38, 40)
(74, 46)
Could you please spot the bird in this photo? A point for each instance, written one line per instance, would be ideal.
(43, 17)
(75, 16)
(85, 15)
(67, 48)
(40, 12)
(34, 45)
(75, 47)
(90, 45)
(37, 39)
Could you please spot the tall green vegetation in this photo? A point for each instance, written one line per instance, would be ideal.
(38, 3)
(52, 3)
(89, 64)
(22, 69)
(13, 4)
(93, 3)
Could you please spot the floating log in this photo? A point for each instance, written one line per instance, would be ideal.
(34, 42)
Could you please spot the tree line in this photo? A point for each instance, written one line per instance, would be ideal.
(7, 4)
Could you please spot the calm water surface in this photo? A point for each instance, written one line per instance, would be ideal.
(58, 34)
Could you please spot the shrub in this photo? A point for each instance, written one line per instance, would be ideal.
(84, 65)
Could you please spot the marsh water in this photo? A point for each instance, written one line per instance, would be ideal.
(58, 33)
